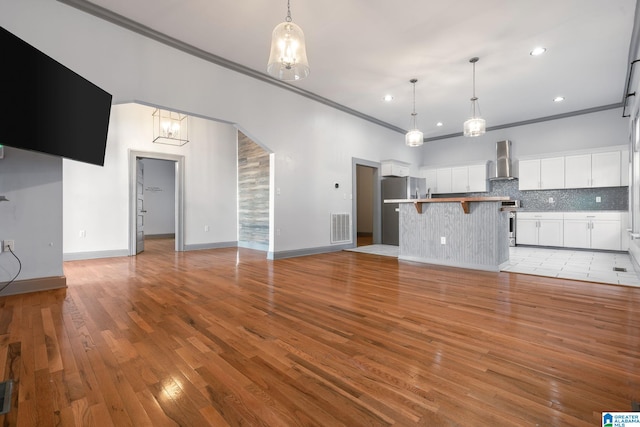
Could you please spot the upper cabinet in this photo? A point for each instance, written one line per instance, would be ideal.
(542, 174)
(602, 169)
(457, 179)
(443, 180)
(593, 170)
(394, 168)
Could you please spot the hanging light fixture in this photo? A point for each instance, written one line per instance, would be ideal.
(170, 127)
(476, 125)
(288, 58)
(414, 138)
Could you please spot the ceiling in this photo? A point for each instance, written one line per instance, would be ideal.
(361, 50)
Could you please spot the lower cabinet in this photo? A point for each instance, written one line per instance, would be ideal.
(587, 230)
(600, 230)
(539, 228)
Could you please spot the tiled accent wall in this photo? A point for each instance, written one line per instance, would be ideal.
(578, 199)
(253, 192)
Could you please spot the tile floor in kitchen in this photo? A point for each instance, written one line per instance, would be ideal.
(584, 265)
(573, 264)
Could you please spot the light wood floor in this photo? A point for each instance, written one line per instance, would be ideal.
(225, 337)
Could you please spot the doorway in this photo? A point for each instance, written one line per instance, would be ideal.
(366, 202)
(137, 205)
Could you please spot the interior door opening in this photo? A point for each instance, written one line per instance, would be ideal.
(139, 204)
(366, 203)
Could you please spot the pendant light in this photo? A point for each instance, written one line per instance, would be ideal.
(476, 125)
(414, 138)
(288, 58)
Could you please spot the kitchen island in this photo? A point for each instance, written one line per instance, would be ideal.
(466, 232)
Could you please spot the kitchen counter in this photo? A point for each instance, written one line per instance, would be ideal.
(464, 201)
(466, 232)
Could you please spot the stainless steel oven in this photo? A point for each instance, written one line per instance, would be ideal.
(510, 206)
(512, 228)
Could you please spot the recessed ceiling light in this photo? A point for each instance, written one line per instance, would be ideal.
(387, 98)
(439, 124)
(538, 51)
(558, 99)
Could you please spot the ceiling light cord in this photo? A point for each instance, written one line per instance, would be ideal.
(288, 18)
(474, 98)
(414, 114)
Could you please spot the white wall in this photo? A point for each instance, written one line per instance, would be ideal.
(96, 199)
(33, 215)
(313, 143)
(159, 196)
(601, 129)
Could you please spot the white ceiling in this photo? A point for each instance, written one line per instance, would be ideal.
(360, 50)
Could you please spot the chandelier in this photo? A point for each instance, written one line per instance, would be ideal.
(414, 138)
(288, 58)
(476, 125)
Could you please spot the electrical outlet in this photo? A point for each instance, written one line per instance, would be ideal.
(8, 245)
(83, 233)
(206, 228)
(550, 199)
(598, 199)
(443, 240)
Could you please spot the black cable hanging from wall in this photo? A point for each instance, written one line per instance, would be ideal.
(626, 89)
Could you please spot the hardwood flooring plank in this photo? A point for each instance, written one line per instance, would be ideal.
(225, 337)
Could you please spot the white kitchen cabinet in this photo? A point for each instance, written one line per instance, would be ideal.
(394, 168)
(539, 228)
(529, 174)
(605, 169)
(478, 178)
(443, 179)
(593, 170)
(541, 174)
(460, 179)
(593, 230)
(431, 176)
(577, 171)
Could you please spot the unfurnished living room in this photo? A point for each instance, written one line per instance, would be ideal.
(294, 213)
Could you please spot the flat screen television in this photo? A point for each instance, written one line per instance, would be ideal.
(46, 107)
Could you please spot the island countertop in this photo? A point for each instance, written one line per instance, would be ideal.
(464, 201)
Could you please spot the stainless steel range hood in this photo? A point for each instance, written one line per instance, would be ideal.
(503, 161)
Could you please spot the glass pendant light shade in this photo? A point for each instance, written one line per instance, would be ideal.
(475, 126)
(414, 138)
(288, 57)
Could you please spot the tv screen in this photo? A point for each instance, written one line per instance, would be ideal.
(46, 107)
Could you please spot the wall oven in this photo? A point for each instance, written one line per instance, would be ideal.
(510, 206)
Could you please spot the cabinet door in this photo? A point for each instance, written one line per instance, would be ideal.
(529, 174)
(432, 181)
(478, 178)
(443, 176)
(460, 179)
(576, 233)
(550, 232)
(577, 171)
(526, 231)
(605, 169)
(552, 173)
(605, 235)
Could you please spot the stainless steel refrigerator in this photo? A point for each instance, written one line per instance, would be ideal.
(398, 188)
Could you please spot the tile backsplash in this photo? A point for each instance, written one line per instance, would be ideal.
(578, 199)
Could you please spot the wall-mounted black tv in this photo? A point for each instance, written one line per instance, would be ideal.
(46, 107)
